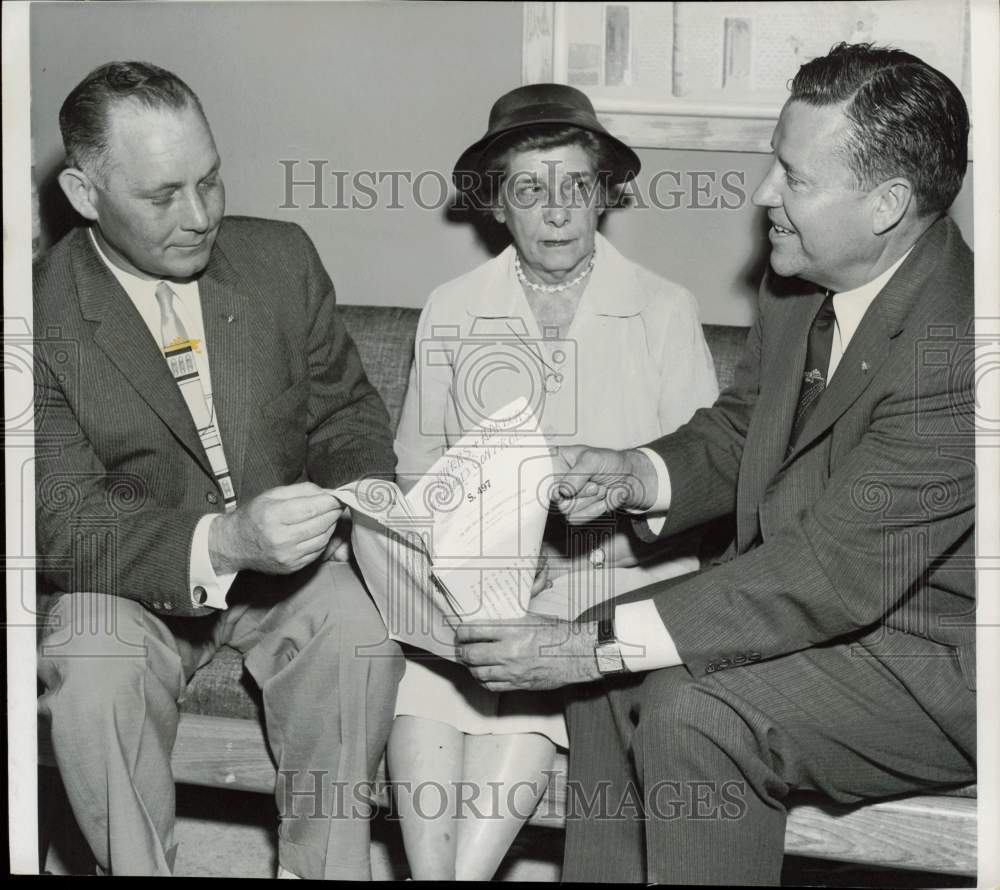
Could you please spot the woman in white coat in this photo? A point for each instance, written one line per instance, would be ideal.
(609, 354)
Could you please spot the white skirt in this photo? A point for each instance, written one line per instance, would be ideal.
(436, 689)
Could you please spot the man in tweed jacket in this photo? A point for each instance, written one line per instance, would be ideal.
(833, 649)
(170, 524)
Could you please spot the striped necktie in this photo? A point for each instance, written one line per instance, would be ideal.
(179, 351)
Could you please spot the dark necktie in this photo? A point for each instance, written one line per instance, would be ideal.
(817, 364)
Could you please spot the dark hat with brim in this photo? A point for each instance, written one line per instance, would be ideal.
(541, 103)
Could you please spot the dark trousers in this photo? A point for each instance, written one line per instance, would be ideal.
(114, 673)
(681, 780)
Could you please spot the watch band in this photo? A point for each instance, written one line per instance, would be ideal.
(606, 631)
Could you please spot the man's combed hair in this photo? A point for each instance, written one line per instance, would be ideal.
(909, 119)
(83, 116)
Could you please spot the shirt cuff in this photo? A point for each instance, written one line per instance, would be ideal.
(655, 517)
(207, 588)
(643, 639)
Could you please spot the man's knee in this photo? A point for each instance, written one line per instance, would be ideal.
(364, 635)
(97, 651)
(331, 592)
(97, 624)
(385, 669)
(674, 705)
(349, 607)
(331, 625)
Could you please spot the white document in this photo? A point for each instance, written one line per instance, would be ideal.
(464, 543)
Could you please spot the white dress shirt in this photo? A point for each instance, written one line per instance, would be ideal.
(142, 293)
(647, 644)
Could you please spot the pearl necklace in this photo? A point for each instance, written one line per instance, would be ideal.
(550, 288)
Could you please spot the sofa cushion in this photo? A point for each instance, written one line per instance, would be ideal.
(725, 342)
(384, 337)
(223, 689)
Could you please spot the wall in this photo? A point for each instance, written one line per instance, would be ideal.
(381, 87)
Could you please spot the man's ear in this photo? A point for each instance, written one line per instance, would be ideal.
(79, 191)
(891, 200)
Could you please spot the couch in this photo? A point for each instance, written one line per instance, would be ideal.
(221, 742)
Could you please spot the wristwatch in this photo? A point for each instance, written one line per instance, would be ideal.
(607, 650)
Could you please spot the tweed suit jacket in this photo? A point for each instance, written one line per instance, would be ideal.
(863, 530)
(121, 477)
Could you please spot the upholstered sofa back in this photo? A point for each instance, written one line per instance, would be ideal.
(384, 336)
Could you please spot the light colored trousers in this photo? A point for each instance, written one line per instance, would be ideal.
(114, 674)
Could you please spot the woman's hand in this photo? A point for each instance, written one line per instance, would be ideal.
(549, 568)
(621, 550)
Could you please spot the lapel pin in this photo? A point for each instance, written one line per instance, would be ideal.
(229, 319)
(864, 367)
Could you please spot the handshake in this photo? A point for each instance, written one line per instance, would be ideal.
(595, 481)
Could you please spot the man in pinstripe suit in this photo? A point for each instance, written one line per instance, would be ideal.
(832, 648)
(183, 505)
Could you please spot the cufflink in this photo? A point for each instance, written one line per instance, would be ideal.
(199, 595)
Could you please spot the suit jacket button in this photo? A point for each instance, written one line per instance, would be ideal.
(710, 668)
(754, 656)
(199, 595)
(212, 497)
(167, 607)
